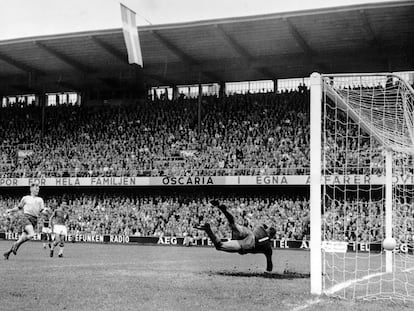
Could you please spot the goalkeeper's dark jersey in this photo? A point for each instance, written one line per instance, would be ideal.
(262, 245)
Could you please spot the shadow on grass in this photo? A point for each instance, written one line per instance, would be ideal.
(273, 275)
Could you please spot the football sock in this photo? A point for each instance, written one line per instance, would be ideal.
(229, 216)
(216, 241)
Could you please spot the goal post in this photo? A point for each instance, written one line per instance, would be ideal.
(388, 208)
(315, 183)
(362, 186)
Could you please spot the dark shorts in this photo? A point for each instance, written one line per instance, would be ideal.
(29, 220)
(244, 236)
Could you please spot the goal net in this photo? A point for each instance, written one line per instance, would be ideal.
(362, 176)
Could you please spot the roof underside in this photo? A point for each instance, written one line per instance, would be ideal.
(363, 38)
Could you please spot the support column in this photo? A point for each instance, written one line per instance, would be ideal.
(222, 90)
(175, 92)
(200, 97)
(43, 103)
(275, 85)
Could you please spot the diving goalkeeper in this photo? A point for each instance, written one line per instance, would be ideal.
(244, 240)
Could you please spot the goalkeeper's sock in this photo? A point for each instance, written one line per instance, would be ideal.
(216, 241)
(229, 216)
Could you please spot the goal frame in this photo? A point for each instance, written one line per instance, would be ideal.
(316, 182)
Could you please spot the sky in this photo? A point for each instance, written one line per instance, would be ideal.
(28, 18)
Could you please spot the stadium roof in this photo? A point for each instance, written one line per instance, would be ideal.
(361, 38)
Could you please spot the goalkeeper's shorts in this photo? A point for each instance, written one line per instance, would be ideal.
(244, 236)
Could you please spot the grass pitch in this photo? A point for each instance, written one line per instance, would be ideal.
(132, 277)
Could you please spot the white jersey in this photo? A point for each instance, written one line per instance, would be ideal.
(32, 205)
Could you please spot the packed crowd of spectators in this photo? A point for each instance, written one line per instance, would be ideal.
(158, 215)
(166, 215)
(247, 134)
(364, 220)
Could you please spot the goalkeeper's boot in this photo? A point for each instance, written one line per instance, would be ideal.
(215, 203)
(51, 252)
(204, 227)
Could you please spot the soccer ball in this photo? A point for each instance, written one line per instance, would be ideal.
(389, 244)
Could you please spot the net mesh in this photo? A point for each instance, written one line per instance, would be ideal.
(363, 118)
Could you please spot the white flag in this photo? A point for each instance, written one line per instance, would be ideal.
(129, 27)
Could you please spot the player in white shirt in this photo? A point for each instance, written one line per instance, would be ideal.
(32, 206)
